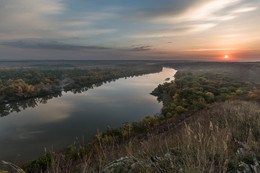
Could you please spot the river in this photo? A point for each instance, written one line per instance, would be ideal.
(78, 117)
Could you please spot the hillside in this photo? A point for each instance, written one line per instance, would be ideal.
(222, 138)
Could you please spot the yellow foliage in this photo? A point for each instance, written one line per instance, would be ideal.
(239, 91)
(107, 139)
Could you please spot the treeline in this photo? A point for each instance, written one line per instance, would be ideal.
(189, 92)
(83, 78)
(195, 90)
(20, 84)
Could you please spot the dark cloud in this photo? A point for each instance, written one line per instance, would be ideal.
(157, 8)
(49, 45)
(55, 45)
(142, 48)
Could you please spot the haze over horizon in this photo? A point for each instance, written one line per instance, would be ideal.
(132, 30)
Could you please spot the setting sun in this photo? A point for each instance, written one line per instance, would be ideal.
(226, 56)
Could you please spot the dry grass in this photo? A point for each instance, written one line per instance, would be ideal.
(207, 142)
(16, 168)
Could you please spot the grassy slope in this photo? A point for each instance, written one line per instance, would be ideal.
(206, 142)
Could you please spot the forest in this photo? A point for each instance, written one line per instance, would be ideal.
(21, 84)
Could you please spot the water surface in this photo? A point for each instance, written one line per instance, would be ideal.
(61, 120)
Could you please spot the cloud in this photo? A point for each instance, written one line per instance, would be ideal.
(48, 19)
(156, 9)
(207, 11)
(141, 48)
(23, 14)
(244, 9)
(182, 29)
(49, 45)
(202, 16)
(55, 45)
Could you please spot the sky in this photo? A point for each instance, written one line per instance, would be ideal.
(130, 30)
